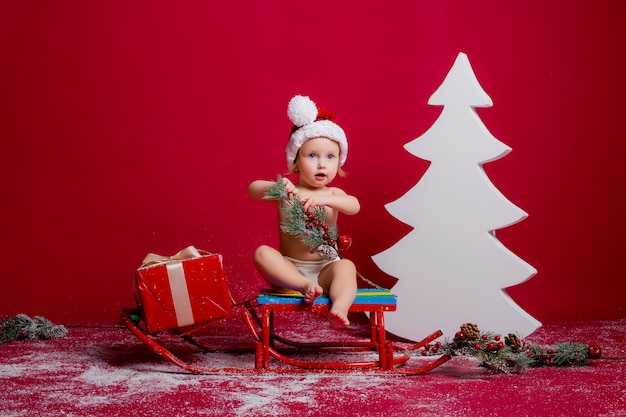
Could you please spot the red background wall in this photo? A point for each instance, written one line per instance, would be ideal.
(135, 127)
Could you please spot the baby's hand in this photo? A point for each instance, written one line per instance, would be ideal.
(310, 200)
(289, 187)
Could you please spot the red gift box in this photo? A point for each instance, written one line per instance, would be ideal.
(182, 290)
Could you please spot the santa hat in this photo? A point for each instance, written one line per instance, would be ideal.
(309, 123)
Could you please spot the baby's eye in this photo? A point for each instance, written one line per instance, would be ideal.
(312, 155)
(331, 156)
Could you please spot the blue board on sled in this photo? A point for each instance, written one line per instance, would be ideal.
(364, 296)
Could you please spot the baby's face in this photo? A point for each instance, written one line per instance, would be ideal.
(318, 161)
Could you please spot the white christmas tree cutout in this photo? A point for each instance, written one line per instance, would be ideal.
(451, 269)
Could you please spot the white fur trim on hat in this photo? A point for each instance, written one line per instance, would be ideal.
(302, 111)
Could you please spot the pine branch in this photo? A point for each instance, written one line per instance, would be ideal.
(513, 355)
(278, 191)
(22, 327)
(560, 354)
(308, 226)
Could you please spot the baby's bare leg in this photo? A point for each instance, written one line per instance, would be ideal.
(340, 279)
(280, 273)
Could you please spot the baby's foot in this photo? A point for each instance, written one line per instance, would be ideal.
(338, 320)
(311, 293)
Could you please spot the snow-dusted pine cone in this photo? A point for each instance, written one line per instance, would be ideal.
(513, 341)
(470, 331)
(327, 252)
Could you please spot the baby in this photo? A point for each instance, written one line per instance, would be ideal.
(316, 151)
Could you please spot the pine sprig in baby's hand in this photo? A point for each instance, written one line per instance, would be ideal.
(309, 226)
(278, 190)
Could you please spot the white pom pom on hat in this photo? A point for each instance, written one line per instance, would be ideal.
(301, 111)
(311, 123)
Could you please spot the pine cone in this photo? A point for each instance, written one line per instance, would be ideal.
(514, 342)
(327, 252)
(470, 331)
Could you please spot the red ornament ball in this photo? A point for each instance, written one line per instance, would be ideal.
(594, 351)
(344, 242)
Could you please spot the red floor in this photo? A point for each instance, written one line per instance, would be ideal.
(108, 372)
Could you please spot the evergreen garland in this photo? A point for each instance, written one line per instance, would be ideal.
(22, 327)
(309, 226)
(513, 354)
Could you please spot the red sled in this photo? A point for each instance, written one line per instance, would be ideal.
(183, 294)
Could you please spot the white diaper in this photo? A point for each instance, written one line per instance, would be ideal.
(310, 269)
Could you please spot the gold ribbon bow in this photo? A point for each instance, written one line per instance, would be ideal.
(189, 252)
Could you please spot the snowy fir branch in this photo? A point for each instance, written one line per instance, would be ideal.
(309, 226)
(22, 327)
(278, 191)
(513, 354)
